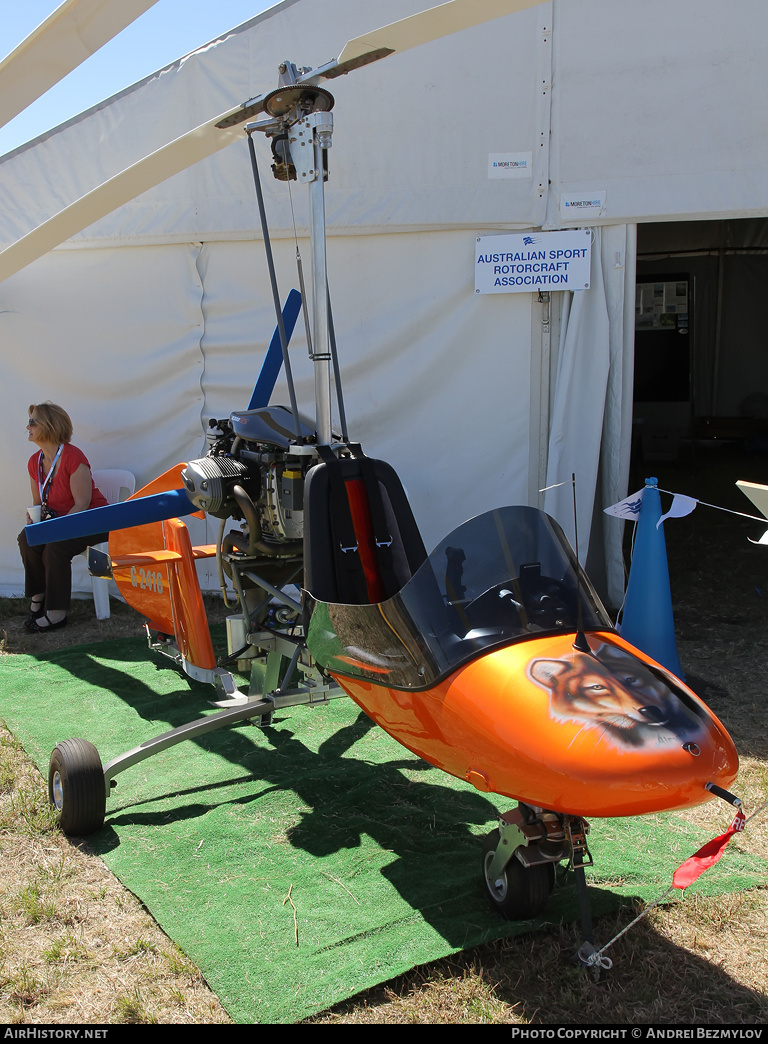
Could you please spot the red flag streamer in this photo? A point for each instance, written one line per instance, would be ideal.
(694, 867)
(685, 874)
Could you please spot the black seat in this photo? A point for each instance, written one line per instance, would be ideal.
(361, 541)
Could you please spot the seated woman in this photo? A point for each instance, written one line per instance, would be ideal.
(61, 482)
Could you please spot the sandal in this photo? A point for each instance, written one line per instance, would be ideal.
(34, 627)
(36, 608)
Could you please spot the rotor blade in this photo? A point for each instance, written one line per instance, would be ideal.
(75, 31)
(222, 130)
(174, 503)
(171, 159)
(421, 28)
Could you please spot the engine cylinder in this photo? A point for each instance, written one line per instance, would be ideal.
(209, 482)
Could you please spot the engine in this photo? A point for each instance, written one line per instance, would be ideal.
(250, 475)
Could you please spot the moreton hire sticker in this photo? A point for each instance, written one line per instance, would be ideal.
(509, 164)
(523, 263)
(577, 206)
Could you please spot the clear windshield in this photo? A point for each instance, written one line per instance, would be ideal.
(501, 577)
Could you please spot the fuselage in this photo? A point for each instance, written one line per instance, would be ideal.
(605, 733)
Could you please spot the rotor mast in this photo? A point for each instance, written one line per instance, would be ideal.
(322, 127)
(301, 130)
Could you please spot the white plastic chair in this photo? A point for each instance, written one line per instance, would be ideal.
(111, 482)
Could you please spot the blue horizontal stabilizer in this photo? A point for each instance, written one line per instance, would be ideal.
(174, 503)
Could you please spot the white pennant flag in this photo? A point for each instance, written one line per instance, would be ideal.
(680, 507)
(628, 508)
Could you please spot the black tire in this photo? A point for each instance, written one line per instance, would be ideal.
(76, 787)
(519, 892)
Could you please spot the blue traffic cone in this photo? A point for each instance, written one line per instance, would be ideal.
(647, 621)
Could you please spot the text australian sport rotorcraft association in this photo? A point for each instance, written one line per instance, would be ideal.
(531, 266)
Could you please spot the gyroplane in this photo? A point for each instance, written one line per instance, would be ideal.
(490, 656)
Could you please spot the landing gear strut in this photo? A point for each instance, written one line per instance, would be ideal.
(519, 860)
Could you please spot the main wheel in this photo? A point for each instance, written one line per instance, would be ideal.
(518, 892)
(76, 787)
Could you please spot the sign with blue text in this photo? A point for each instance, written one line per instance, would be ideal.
(524, 263)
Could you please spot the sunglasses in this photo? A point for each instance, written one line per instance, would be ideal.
(32, 423)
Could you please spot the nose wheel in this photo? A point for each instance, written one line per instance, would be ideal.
(76, 787)
(518, 892)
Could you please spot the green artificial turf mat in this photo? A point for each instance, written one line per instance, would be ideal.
(302, 863)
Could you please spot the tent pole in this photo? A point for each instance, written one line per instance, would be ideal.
(718, 333)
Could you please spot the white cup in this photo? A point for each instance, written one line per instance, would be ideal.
(34, 512)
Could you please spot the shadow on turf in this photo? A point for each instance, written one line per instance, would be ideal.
(436, 871)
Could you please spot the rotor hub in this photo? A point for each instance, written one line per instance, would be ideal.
(298, 99)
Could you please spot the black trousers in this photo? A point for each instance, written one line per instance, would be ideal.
(48, 568)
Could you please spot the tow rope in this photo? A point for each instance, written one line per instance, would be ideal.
(689, 871)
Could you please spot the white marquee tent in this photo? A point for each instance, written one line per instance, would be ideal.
(156, 317)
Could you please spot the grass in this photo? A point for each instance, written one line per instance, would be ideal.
(75, 947)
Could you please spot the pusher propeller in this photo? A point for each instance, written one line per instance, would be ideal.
(174, 503)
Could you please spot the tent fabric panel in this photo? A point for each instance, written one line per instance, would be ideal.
(618, 257)
(114, 337)
(689, 75)
(414, 132)
(661, 196)
(435, 379)
(578, 408)
(411, 147)
(240, 318)
(43, 179)
(592, 406)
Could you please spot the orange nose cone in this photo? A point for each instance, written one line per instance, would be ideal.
(605, 733)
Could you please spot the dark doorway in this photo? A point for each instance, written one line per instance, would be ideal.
(701, 341)
(663, 338)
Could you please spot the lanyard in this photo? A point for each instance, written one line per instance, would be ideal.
(42, 486)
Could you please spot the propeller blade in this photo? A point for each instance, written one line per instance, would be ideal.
(177, 155)
(273, 360)
(421, 28)
(72, 33)
(174, 503)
